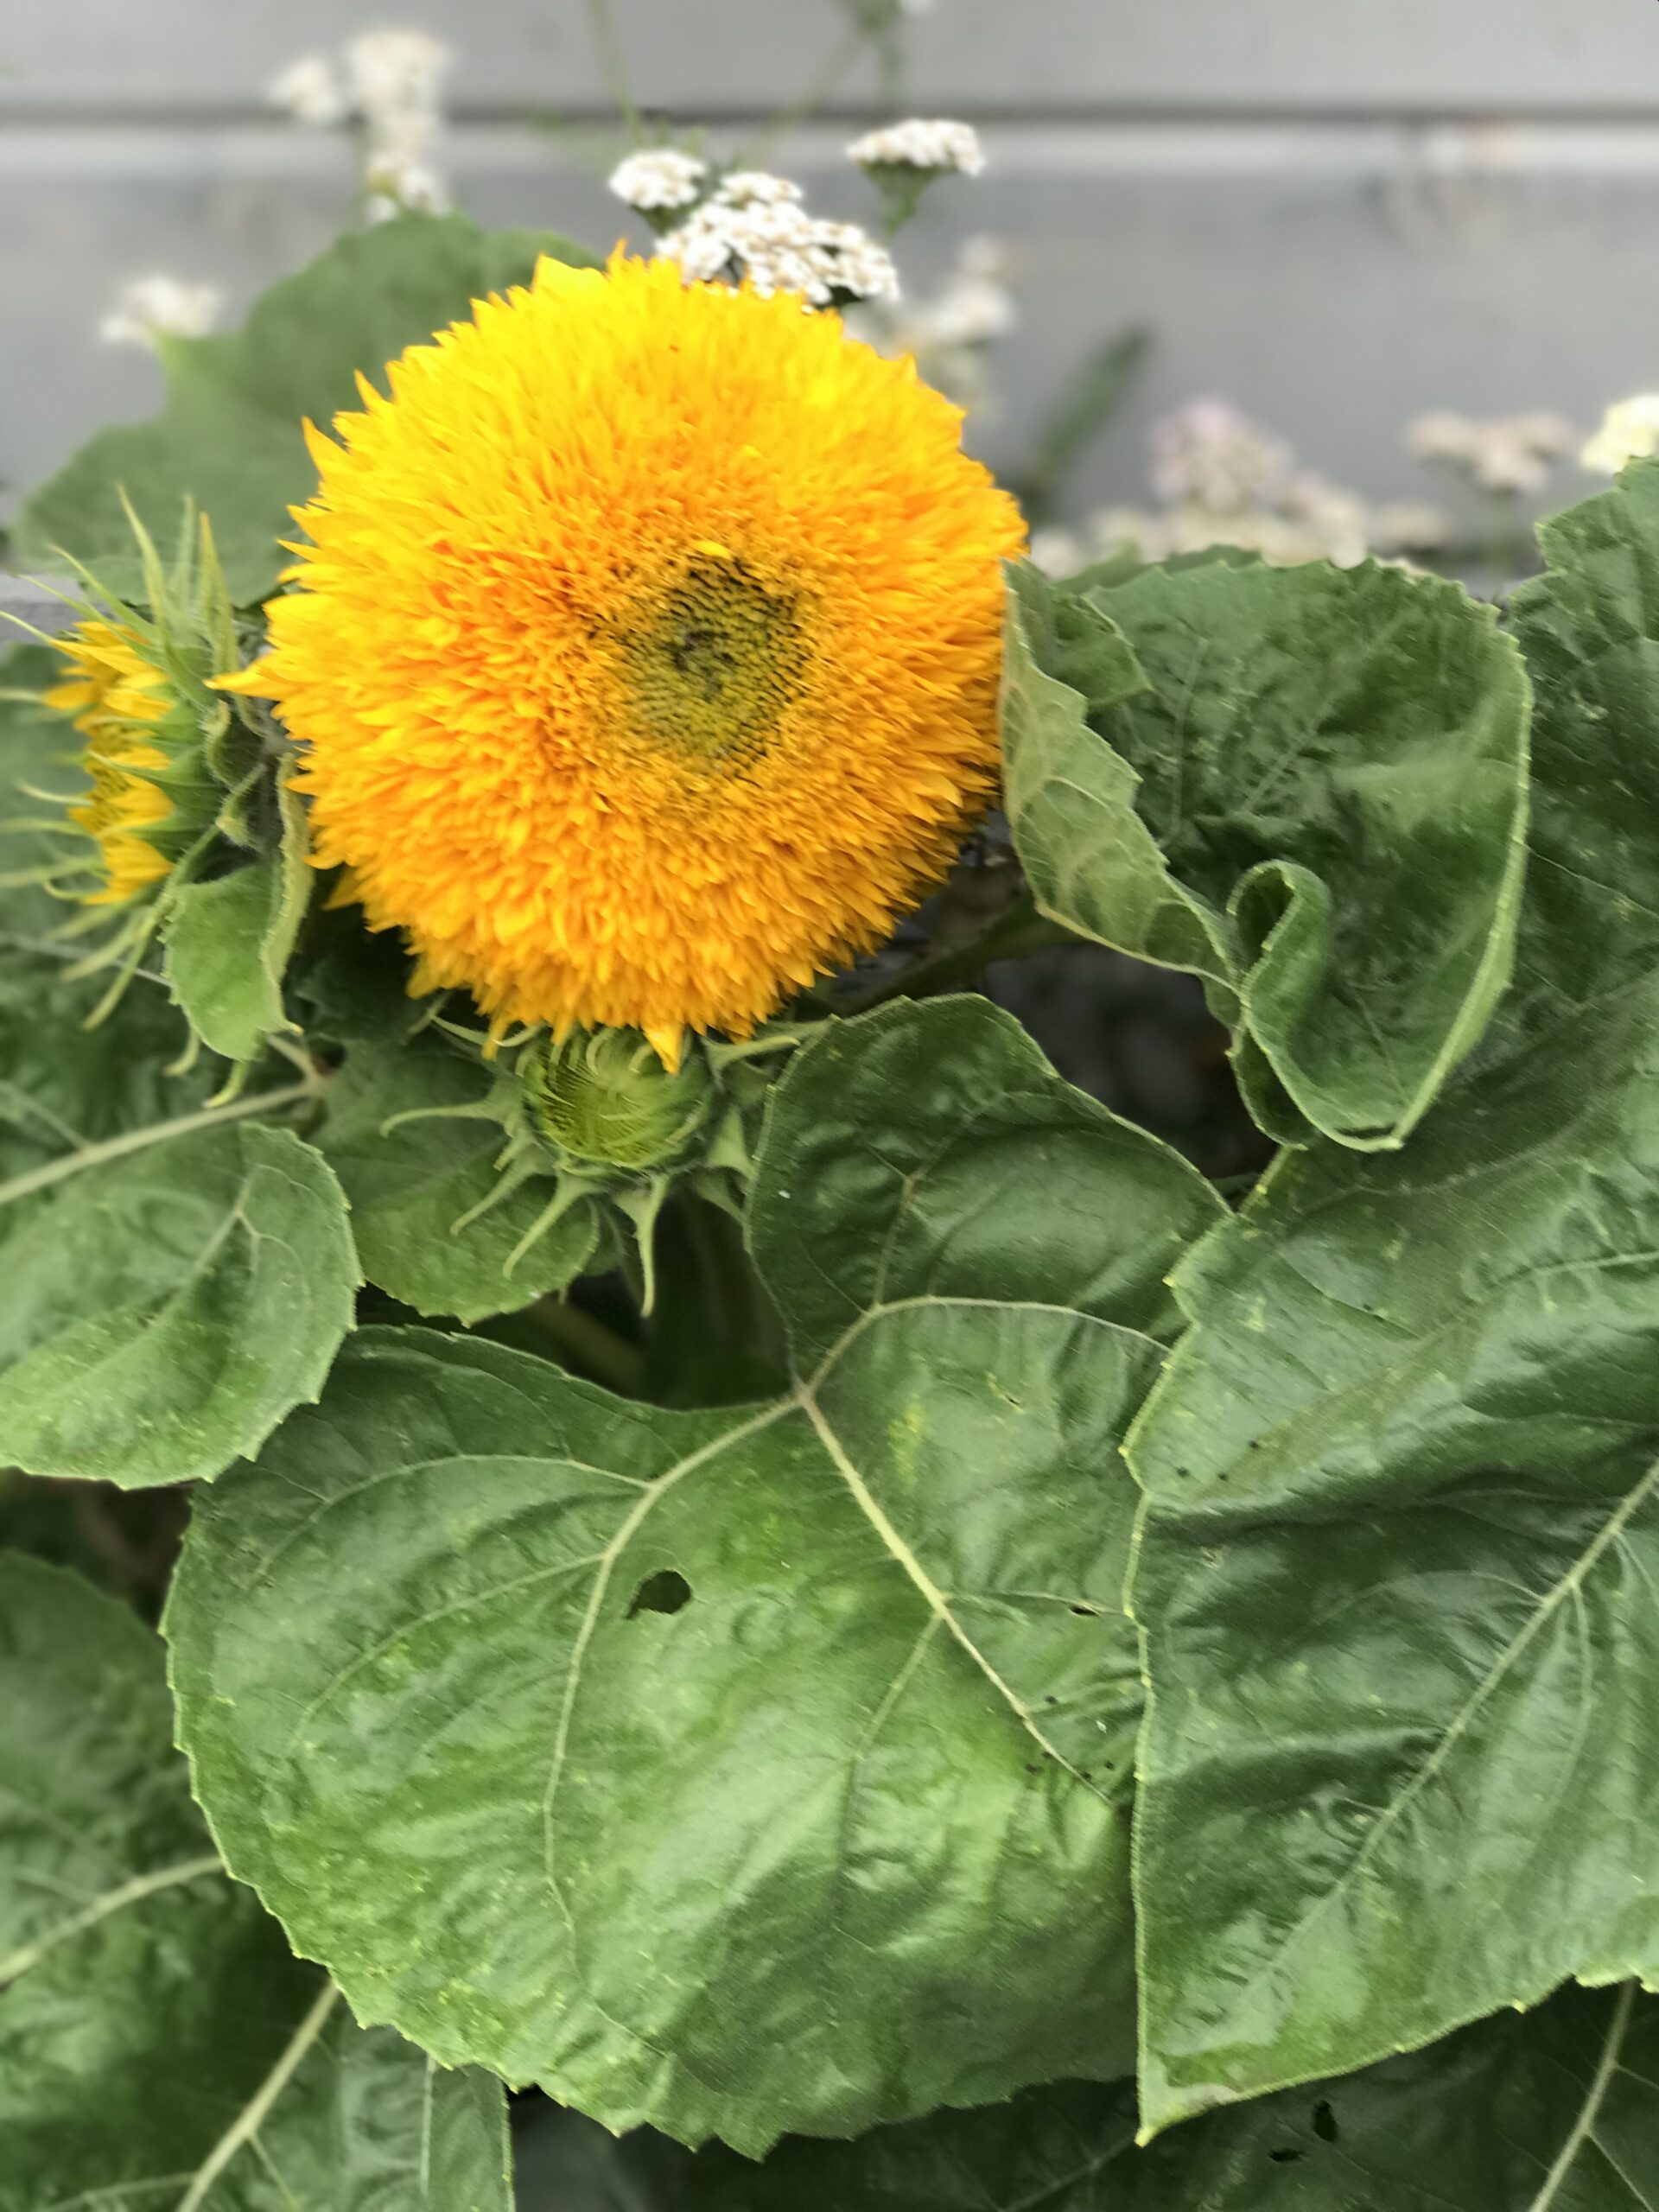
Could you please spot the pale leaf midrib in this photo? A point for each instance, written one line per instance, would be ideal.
(803, 1398)
(1583, 2128)
(1501, 1666)
(15, 1964)
(254, 2115)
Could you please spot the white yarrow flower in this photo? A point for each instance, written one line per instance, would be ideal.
(1210, 455)
(660, 176)
(396, 77)
(967, 310)
(1511, 453)
(1630, 431)
(150, 308)
(921, 144)
(310, 89)
(396, 74)
(396, 186)
(778, 247)
(755, 189)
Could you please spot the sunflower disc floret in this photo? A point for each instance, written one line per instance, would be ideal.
(644, 653)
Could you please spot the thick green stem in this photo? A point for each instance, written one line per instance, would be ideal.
(576, 1336)
(1020, 931)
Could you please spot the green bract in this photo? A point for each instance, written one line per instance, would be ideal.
(479, 1184)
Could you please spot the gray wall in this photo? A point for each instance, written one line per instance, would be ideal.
(1337, 212)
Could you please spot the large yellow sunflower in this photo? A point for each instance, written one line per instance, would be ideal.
(644, 655)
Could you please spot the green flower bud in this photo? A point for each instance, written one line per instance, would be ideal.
(605, 1105)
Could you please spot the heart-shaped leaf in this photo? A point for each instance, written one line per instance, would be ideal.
(735, 1770)
(1402, 1534)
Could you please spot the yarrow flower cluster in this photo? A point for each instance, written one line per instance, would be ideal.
(751, 228)
(310, 91)
(659, 177)
(1224, 482)
(1510, 453)
(920, 144)
(149, 309)
(390, 86)
(649, 733)
(1629, 431)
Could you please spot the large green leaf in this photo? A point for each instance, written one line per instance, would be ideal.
(411, 1185)
(1427, 1389)
(1555, 2111)
(1397, 1578)
(1308, 787)
(1590, 631)
(734, 1771)
(162, 1308)
(229, 437)
(161, 2050)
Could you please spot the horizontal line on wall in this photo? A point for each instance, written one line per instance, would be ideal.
(16, 112)
(1015, 151)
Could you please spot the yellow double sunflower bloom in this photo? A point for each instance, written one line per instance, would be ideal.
(643, 655)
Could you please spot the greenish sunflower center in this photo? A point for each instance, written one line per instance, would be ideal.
(603, 1099)
(712, 663)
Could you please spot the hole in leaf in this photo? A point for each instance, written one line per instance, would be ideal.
(1285, 2157)
(1325, 2121)
(665, 1592)
(1089, 1612)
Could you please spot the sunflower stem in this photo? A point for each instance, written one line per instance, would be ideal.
(807, 102)
(575, 1335)
(613, 66)
(1019, 932)
(95, 1155)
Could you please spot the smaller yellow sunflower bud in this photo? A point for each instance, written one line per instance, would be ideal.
(180, 786)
